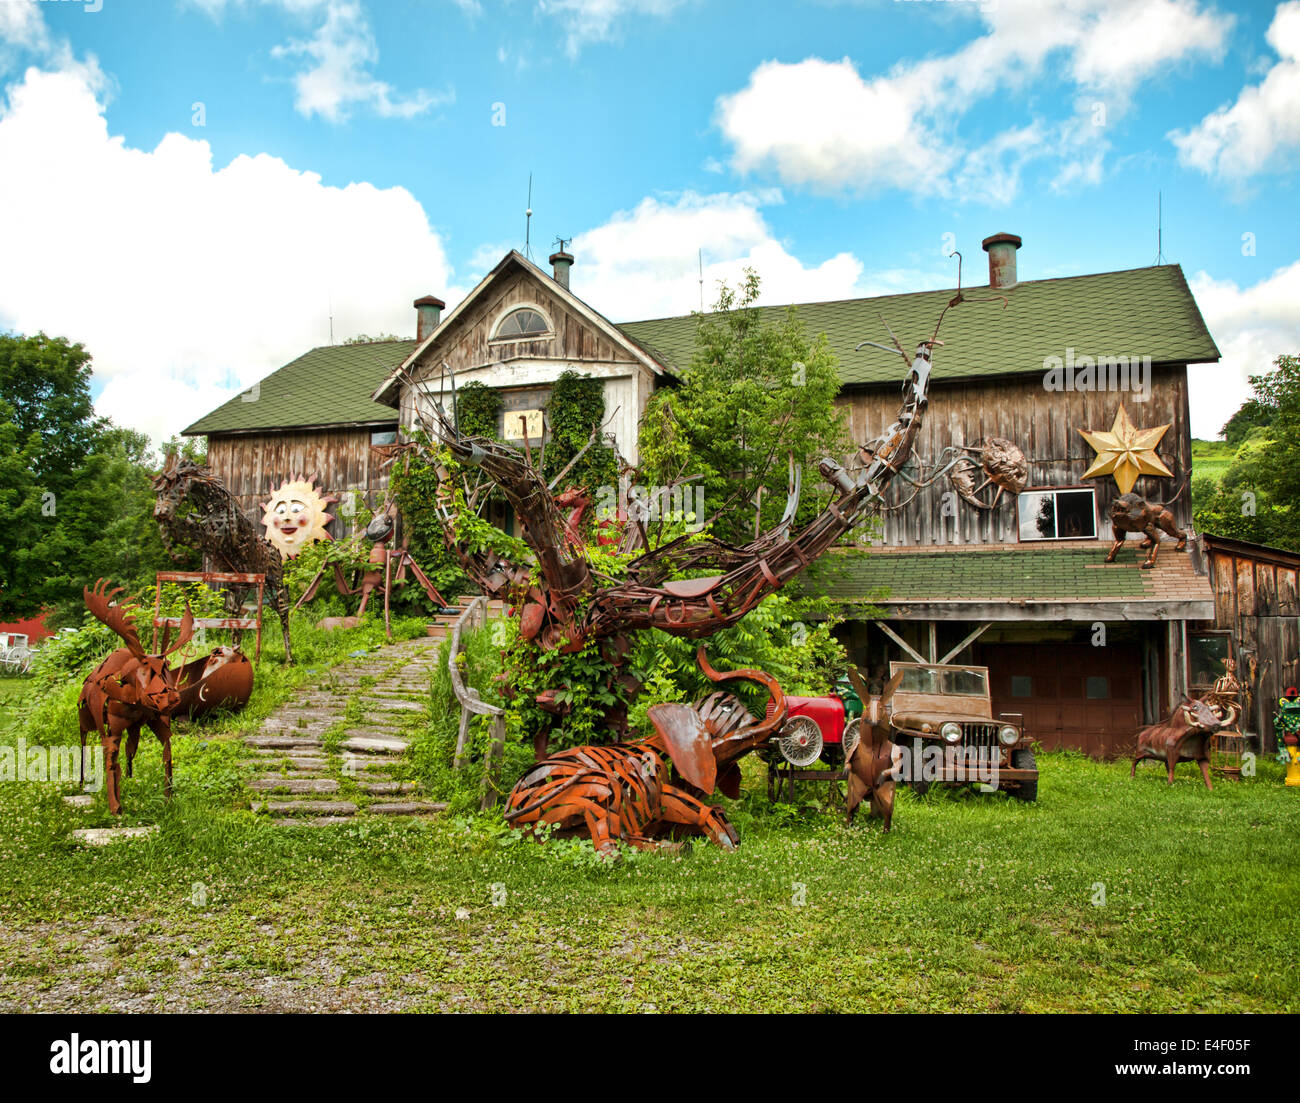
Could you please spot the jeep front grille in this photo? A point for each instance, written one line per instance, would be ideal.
(980, 735)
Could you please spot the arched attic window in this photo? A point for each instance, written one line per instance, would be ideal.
(522, 324)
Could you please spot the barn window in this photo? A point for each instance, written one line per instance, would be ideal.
(1097, 688)
(522, 323)
(383, 436)
(1022, 685)
(1048, 514)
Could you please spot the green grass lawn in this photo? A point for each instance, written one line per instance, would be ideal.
(972, 903)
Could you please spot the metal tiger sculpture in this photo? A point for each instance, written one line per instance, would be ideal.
(217, 526)
(628, 792)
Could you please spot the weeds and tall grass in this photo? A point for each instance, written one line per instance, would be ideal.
(1107, 895)
(973, 902)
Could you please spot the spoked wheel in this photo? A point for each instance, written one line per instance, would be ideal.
(801, 742)
(852, 736)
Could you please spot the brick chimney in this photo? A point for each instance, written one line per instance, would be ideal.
(561, 263)
(427, 312)
(1001, 249)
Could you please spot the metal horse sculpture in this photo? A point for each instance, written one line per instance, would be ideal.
(1133, 513)
(627, 791)
(1184, 737)
(215, 524)
(127, 689)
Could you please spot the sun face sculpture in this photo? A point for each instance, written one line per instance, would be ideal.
(297, 515)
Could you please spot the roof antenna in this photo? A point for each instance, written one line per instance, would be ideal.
(701, 281)
(528, 221)
(1160, 228)
(330, 299)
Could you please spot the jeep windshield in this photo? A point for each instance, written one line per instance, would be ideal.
(948, 683)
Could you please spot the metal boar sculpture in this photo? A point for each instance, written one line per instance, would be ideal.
(1184, 737)
(127, 689)
(194, 508)
(1133, 513)
(628, 792)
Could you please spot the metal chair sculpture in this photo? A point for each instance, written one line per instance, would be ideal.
(628, 792)
(126, 690)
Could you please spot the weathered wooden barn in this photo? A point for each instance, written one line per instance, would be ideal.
(312, 416)
(1257, 609)
(517, 331)
(1085, 651)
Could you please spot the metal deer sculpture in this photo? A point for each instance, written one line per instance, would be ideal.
(874, 762)
(194, 508)
(127, 689)
(628, 792)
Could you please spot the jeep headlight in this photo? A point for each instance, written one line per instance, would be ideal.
(951, 732)
(1009, 735)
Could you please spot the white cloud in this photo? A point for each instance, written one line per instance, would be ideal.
(1252, 327)
(644, 263)
(185, 281)
(822, 125)
(588, 21)
(1261, 130)
(336, 75)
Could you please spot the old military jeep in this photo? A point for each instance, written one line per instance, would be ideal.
(943, 721)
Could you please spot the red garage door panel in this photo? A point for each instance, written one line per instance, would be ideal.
(1071, 695)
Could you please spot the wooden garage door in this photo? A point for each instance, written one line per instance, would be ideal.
(1071, 695)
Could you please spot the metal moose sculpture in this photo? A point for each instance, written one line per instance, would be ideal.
(627, 791)
(1184, 737)
(214, 523)
(126, 690)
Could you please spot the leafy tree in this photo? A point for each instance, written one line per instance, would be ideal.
(755, 393)
(1253, 414)
(75, 490)
(1256, 497)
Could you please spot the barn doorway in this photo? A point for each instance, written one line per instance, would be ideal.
(1071, 695)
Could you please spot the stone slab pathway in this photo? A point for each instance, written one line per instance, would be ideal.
(327, 755)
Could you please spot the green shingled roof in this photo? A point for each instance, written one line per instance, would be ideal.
(1140, 312)
(1025, 574)
(330, 385)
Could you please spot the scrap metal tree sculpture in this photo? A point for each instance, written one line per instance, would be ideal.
(691, 587)
(194, 508)
(564, 603)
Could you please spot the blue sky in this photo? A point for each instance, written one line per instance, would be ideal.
(193, 186)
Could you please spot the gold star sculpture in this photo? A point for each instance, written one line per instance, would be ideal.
(1125, 452)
